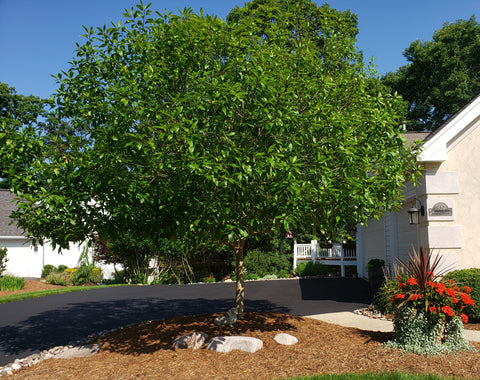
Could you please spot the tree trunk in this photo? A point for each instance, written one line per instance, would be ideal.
(240, 289)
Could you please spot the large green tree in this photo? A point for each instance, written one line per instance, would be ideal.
(18, 112)
(220, 131)
(442, 74)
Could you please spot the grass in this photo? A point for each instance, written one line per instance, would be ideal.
(43, 293)
(371, 376)
(11, 283)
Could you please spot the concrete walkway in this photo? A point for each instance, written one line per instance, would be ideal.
(350, 319)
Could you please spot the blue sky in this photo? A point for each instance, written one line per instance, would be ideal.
(37, 37)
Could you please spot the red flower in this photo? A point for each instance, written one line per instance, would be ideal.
(466, 299)
(464, 318)
(412, 281)
(401, 285)
(451, 281)
(467, 289)
(450, 292)
(440, 288)
(456, 288)
(414, 297)
(431, 283)
(420, 296)
(432, 309)
(454, 300)
(400, 296)
(448, 311)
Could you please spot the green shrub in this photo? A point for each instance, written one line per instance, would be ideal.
(56, 278)
(86, 274)
(209, 279)
(381, 299)
(3, 261)
(264, 263)
(312, 269)
(251, 276)
(11, 283)
(471, 278)
(351, 271)
(47, 269)
(375, 263)
(61, 268)
(283, 274)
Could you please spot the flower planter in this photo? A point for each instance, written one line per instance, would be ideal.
(376, 277)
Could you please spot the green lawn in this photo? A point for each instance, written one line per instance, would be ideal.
(43, 293)
(381, 376)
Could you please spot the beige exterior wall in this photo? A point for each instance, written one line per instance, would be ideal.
(462, 230)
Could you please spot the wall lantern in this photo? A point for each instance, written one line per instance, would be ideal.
(414, 213)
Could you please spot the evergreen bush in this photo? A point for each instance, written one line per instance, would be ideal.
(47, 269)
(264, 263)
(312, 269)
(61, 268)
(471, 278)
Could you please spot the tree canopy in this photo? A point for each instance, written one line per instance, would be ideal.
(18, 113)
(442, 75)
(221, 131)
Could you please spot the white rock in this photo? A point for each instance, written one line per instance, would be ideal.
(193, 340)
(285, 339)
(78, 352)
(16, 366)
(229, 343)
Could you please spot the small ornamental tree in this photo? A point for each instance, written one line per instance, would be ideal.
(3, 261)
(217, 131)
(428, 313)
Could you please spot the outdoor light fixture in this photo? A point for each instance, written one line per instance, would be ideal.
(414, 213)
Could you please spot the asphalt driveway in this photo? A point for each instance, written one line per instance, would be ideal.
(37, 324)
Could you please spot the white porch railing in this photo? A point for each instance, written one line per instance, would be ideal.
(337, 254)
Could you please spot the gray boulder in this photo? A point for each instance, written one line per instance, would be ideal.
(228, 320)
(229, 343)
(193, 340)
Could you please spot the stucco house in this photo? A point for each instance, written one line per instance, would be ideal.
(447, 199)
(26, 259)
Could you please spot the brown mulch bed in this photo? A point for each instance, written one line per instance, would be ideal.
(144, 351)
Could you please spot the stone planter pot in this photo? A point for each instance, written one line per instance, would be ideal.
(376, 277)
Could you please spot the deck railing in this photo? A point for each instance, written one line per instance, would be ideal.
(328, 254)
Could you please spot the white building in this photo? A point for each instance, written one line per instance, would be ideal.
(24, 258)
(447, 199)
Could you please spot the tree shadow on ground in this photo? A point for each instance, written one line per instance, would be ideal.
(76, 322)
(149, 337)
(376, 336)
